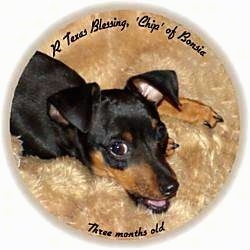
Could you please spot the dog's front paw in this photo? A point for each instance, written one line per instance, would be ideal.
(196, 112)
(171, 147)
(213, 120)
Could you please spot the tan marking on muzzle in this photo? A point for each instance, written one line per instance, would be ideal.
(139, 179)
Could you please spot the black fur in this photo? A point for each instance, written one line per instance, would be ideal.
(91, 119)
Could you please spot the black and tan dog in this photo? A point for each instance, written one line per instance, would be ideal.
(116, 132)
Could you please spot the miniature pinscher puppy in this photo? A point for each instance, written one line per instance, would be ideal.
(116, 132)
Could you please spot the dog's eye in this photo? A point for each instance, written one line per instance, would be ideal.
(118, 148)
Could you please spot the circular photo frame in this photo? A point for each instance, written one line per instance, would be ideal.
(124, 124)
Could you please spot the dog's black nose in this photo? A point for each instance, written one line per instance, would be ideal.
(169, 189)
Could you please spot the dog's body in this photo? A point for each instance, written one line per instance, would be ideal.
(29, 118)
(116, 133)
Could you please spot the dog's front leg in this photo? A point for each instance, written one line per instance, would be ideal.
(192, 111)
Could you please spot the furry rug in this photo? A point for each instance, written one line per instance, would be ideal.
(202, 163)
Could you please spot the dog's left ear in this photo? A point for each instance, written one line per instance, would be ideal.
(74, 106)
(156, 85)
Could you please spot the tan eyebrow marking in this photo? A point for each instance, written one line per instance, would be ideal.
(154, 123)
(127, 136)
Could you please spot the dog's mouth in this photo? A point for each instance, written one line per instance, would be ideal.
(156, 206)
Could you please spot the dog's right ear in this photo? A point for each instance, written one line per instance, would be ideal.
(74, 106)
(155, 86)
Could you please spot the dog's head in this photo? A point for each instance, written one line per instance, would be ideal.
(120, 134)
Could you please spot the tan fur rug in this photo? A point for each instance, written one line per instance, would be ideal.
(202, 163)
